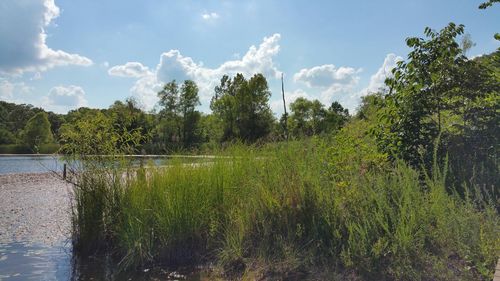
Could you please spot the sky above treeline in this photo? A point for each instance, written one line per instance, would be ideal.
(64, 54)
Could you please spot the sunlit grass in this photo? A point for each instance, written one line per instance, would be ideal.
(285, 208)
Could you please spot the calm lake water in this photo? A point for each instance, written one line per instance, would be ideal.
(29, 164)
(19, 164)
(24, 261)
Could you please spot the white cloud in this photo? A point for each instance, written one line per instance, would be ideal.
(13, 91)
(36, 76)
(326, 76)
(145, 91)
(23, 45)
(64, 98)
(210, 16)
(377, 80)
(173, 65)
(330, 83)
(130, 69)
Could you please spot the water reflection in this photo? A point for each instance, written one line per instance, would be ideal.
(18, 164)
(24, 261)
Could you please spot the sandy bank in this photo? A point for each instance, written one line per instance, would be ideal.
(34, 208)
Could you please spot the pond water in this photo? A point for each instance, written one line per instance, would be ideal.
(19, 164)
(25, 261)
(29, 164)
(22, 261)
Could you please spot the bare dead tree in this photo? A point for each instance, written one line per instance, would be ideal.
(285, 116)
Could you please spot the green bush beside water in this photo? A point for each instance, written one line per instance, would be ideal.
(290, 207)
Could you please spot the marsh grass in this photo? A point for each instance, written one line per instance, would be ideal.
(287, 208)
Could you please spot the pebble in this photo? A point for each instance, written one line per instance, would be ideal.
(38, 206)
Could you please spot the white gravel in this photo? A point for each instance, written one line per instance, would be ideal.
(34, 208)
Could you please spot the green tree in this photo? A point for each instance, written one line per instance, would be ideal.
(178, 119)
(128, 116)
(96, 136)
(6, 137)
(37, 131)
(188, 101)
(14, 117)
(419, 88)
(56, 120)
(243, 107)
(307, 117)
(438, 93)
(169, 127)
(336, 117)
(223, 106)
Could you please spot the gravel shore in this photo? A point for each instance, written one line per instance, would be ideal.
(34, 208)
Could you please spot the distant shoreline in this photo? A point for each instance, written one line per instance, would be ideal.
(129, 155)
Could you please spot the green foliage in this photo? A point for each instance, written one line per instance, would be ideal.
(419, 88)
(94, 148)
(129, 117)
(487, 4)
(178, 119)
(307, 118)
(6, 137)
(310, 118)
(242, 107)
(96, 135)
(289, 207)
(438, 96)
(37, 131)
(13, 118)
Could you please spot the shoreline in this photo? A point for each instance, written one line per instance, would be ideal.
(36, 208)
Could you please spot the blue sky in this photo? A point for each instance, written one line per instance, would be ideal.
(64, 54)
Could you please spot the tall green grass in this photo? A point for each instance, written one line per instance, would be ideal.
(289, 207)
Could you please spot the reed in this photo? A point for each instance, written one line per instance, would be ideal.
(289, 208)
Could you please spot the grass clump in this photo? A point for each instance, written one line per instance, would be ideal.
(291, 208)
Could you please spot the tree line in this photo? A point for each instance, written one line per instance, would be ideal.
(240, 112)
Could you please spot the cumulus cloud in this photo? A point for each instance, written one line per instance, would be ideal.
(210, 16)
(377, 83)
(385, 71)
(174, 65)
(130, 69)
(23, 46)
(326, 76)
(145, 91)
(12, 91)
(64, 98)
(330, 83)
